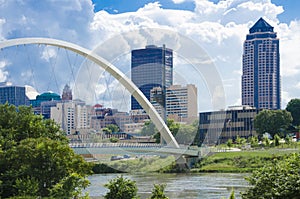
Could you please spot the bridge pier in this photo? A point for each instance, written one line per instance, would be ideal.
(186, 162)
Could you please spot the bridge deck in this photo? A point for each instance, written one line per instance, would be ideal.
(131, 148)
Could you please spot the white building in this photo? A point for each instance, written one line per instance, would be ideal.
(181, 102)
(71, 115)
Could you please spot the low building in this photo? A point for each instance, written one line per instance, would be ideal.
(219, 126)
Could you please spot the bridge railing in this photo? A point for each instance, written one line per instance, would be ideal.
(111, 145)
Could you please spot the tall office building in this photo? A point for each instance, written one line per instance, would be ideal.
(181, 102)
(14, 95)
(151, 67)
(261, 68)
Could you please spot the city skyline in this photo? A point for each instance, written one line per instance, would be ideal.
(219, 27)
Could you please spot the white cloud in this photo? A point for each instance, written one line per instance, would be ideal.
(218, 28)
(48, 53)
(3, 71)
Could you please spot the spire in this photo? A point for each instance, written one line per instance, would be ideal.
(67, 93)
(261, 26)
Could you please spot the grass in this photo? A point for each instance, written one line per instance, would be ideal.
(240, 161)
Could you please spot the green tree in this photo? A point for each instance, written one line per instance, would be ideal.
(149, 129)
(288, 140)
(276, 140)
(272, 121)
(34, 154)
(294, 108)
(113, 139)
(173, 126)
(279, 179)
(253, 141)
(229, 143)
(158, 192)
(186, 134)
(113, 128)
(121, 188)
(266, 141)
(240, 141)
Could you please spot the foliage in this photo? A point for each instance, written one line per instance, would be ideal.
(158, 192)
(69, 187)
(103, 168)
(121, 188)
(278, 179)
(294, 108)
(253, 141)
(232, 196)
(186, 134)
(113, 128)
(240, 141)
(106, 130)
(34, 155)
(272, 121)
(113, 139)
(156, 163)
(266, 142)
(276, 140)
(229, 143)
(240, 161)
(288, 140)
(149, 129)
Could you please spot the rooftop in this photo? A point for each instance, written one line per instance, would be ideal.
(261, 26)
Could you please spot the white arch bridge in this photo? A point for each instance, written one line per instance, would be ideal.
(110, 68)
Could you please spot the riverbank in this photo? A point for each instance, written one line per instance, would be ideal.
(220, 162)
(240, 161)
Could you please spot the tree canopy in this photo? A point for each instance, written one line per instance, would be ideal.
(272, 122)
(121, 188)
(35, 159)
(294, 108)
(279, 179)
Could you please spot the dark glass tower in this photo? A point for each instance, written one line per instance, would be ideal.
(151, 67)
(261, 68)
(14, 95)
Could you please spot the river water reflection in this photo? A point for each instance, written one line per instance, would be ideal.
(187, 186)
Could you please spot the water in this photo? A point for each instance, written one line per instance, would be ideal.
(187, 186)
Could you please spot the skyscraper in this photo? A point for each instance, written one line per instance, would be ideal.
(67, 93)
(261, 68)
(14, 95)
(151, 67)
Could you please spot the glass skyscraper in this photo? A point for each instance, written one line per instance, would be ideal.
(13, 95)
(151, 67)
(261, 68)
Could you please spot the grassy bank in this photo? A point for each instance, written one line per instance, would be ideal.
(137, 165)
(240, 161)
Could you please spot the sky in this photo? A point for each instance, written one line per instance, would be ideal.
(206, 36)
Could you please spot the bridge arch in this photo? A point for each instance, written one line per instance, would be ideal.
(110, 68)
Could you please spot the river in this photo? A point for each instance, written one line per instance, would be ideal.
(187, 186)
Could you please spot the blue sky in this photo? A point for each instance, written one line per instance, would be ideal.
(112, 28)
(291, 7)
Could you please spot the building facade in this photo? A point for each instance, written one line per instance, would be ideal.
(43, 103)
(72, 116)
(67, 93)
(219, 126)
(181, 102)
(151, 67)
(13, 95)
(261, 67)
